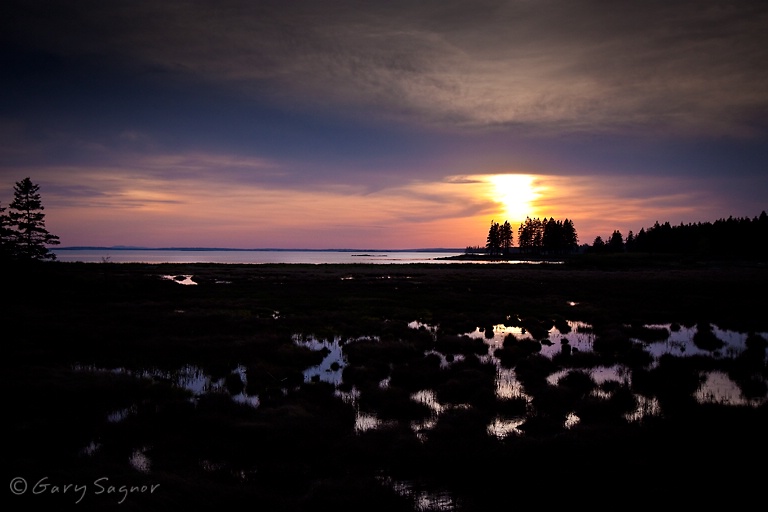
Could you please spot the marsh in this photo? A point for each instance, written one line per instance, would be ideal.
(402, 387)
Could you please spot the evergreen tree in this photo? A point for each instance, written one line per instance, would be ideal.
(538, 234)
(641, 241)
(530, 236)
(505, 237)
(28, 235)
(525, 236)
(551, 238)
(629, 243)
(493, 241)
(570, 237)
(616, 242)
(6, 245)
(548, 234)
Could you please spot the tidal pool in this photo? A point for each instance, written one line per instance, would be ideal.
(669, 339)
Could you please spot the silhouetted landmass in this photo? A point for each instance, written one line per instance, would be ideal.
(734, 237)
(731, 238)
(534, 237)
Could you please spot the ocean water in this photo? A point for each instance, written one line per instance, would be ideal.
(249, 256)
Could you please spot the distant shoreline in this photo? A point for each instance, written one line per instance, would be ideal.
(500, 259)
(268, 249)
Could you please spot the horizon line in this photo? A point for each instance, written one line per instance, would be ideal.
(193, 248)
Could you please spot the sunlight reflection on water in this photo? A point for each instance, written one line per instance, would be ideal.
(332, 365)
(717, 386)
(579, 336)
(181, 279)
(501, 428)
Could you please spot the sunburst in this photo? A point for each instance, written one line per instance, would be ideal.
(516, 194)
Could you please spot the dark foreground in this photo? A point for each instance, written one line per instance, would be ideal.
(83, 437)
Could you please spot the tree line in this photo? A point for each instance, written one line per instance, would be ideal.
(23, 236)
(731, 237)
(534, 236)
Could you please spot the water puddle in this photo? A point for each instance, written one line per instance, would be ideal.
(647, 407)
(578, 337)
(502, 427)
(424, 500)
(507, 385)
(657, 340)
(575, 336)
(191, 378)
(331, 367)
(139, 460)
(90, 449)
(719, 388)
(181, 279)
(118, 416)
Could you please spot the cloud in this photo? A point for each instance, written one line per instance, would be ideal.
(682, 67)
(354, 115)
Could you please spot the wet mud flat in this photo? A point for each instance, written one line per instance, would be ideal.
(385, 387)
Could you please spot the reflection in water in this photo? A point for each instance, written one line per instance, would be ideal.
(243, 398)
(501, 427)
(646, 408)
(720, 389)
(428, 398)
(90, 449)
(330, 369)
(421, 325)
(717, 386)
(671, 339)
(600, 375)
(507, 385)
(139, 460)
(680, 342)
(571, 420)
(364, 421)
(579, 336)
(118, 416)
(445, 361)
(424, 500)
(349, 397)
(190, 377)
(185, 279)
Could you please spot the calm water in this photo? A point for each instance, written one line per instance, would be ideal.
(255, 257)
(716, 386)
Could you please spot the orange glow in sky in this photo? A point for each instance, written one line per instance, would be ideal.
(454, 211)
(222, 124)
(516, 194)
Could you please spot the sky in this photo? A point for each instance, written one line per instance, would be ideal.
(393, 124)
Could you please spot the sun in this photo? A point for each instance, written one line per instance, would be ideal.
(516, 194)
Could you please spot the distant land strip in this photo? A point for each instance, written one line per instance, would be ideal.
(137, 248)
